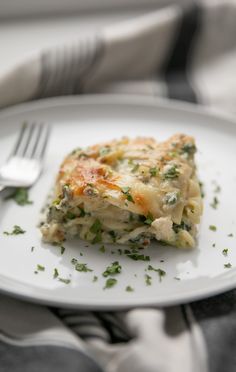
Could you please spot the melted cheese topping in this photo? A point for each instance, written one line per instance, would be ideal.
(131, 190)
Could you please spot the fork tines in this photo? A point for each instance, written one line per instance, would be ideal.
(32, 141)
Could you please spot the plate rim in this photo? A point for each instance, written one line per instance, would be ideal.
(118, 99)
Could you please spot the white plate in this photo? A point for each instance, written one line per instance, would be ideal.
(84, 121)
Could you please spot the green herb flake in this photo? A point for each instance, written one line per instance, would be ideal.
(153, 171)
(230, 235)
(65, 281)
(213, 245)
(129, 289)
(227, 266)
(214, 203)
(113, 269)
(62, 249)
(149, 219)
(82, 155)
(82, 212)
(74, 261)
(70, 216)
(110, 282)
(189, 149)
(171, 172)
(55, 274)
(136, 256)
(104, 151)
(225, 252)
(21, 196)
(97, 238)
(212, 228)
(201, 185)
(102, 249)
(82, 267)
(148, 279)
(176, 278)
(32, 249)
(40, 268)
(126, 191)
(182, 226)
(96, 227)
(16, 231)
(95, 279)
(171, 198)
(160, 272)
(135, 168)
(112, 235)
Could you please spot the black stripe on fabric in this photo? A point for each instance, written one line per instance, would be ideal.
(176, 68)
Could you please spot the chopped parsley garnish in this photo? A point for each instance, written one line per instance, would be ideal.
(65, 281)
(82, 267)
(213, 245)
(82, 212)
(32, 249)
(96, 229)
(95, 278)
(215, 202)
(160, 272)
(182, 226)
(70, 216)
(104, 151)
(20, 196)
(97, 238)
(212, 228)
(129, 288)
(81, 254)
(135, 168)
(136, 256)
(230, 235)
(225, 252)
(110, 282)
(148, 279)
(120, 251)
(188, 148)
(171, 172)
(227, 266)
(40, 268)
(102, 249)
(153, 171)
(201, 185)
(62, 249)
(171, 198)
(74, 261)
(149, 219)
(113, 235)
(16, 231)
(82, 155)
(126, 191)
(55, 274)
(113, 269)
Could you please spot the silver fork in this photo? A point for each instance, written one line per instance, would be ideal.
(25, 162)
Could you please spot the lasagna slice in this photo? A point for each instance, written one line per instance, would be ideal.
(127, 191)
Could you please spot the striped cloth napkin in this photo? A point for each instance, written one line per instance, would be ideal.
(185, 53)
